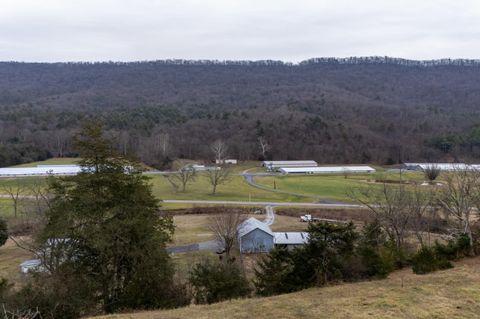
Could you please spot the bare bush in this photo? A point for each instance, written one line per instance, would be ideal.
(431, 172)
(224, 227)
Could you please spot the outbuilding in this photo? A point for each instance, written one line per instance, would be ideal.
(255, 236)
(290, 240)
(327, 170)
(40, 170)
(446, 167)
(276, 165)
(31, 265)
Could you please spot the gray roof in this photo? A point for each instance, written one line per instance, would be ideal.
(251, 224)
(291, 238)
(41, 170)
(290, 163)
(328, 169)
(444, 166)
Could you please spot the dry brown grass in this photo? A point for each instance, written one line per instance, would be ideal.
(194, 228)
(453, 293)
(11, 256)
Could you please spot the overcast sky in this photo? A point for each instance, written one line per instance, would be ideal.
(289, 30)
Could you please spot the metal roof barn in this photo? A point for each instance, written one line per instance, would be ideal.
(289, 163)
(327, 170)
(291, 238)
(442, 166)
(40, 170)
(254, 236)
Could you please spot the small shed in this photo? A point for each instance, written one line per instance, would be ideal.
(254, 236)
(31, 265)
(290, 240)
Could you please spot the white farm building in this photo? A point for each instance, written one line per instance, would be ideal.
(327, 170)
(276, 165)
(447, 167)
(40, 170)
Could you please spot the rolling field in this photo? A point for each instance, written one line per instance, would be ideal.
(235, 189)
(333, 187)
(290, 188)
(453, 293)
(52, 161)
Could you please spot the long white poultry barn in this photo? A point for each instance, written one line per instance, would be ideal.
(276, 165)
(442, 166)
(40, 170)
(327, 170)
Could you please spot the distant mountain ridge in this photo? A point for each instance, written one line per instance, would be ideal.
(319, 60)
(333, 110)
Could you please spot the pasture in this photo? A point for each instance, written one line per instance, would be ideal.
(453, 293)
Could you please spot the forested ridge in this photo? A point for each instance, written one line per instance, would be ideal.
(355, 110)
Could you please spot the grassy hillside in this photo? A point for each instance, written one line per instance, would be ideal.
(52, 161)
(334, 186)
(453, 293)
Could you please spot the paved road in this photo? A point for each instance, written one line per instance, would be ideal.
(270, 219)
(290, 204)
(211, 245)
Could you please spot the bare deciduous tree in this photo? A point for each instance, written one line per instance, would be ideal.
(163, 144)
(264, 146)
(458, 196)
(39, 194)
(219, 149)
(217, 176)
(389, 205)
(182, 177)
(431, 172)
(15, 191)
(224, 227)
(420, 203)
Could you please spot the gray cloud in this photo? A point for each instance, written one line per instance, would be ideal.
(92, 30)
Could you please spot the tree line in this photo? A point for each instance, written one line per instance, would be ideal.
(331, 111)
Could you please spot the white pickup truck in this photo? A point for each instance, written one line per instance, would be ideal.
(308, 218)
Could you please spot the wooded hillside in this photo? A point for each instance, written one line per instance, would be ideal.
(334, 111)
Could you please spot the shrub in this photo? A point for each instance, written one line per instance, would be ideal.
(426, 260)
(3, 232)
(372, 251)
(275, 273)
(214, 281)
(431, 172)
(453, 249)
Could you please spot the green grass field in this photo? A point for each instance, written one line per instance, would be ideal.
(309, 188)
(52, 161)
(235, 189)
(333, 187)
